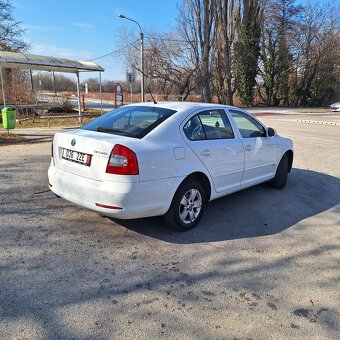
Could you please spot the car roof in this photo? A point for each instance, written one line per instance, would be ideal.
(182, 106)
(183, 109)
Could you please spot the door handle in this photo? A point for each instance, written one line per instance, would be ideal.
(248, 148)
(205, 153)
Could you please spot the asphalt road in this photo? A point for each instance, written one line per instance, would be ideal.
(262, 264)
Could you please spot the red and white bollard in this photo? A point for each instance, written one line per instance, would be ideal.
(83, 101)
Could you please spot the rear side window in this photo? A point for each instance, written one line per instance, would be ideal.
(212, 124)
(132, 121)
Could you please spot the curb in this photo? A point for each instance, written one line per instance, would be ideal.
(317, 122)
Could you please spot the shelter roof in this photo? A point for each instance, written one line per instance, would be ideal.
(38, 62)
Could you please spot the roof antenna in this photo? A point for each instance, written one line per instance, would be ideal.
(154, 101)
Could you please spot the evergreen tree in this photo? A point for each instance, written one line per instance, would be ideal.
(247, 50)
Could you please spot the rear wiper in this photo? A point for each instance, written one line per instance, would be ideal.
(108, 130)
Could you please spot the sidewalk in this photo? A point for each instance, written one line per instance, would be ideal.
(37, 132)
(288, 110)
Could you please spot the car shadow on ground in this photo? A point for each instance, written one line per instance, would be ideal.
(65, 274)
(254, 212)
(18, 139)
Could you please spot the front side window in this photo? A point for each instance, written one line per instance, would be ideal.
(212, 124)
(247, 125)
(132, 121)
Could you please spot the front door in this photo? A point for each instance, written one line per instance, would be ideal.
(260, 151)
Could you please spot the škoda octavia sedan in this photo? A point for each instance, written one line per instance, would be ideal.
(168, 159)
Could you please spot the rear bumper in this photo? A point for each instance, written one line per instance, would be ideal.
(135, 200)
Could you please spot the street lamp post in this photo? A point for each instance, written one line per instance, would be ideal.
(141, 55)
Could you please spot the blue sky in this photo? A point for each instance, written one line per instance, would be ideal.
(82, 30)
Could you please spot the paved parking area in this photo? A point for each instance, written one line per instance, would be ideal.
(262, 263)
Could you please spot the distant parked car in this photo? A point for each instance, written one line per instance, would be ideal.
(166, 159)
(335, 107)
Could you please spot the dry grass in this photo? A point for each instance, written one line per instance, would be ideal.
(14, 139)
(6, 138)
(60, 121)
(39, 122)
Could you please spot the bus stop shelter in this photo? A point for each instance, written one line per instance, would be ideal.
(43, 63)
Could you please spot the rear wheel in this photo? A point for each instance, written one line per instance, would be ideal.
(280, 179)
(187, 206)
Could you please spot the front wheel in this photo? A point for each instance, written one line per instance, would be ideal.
(280, 179)
(187, 206)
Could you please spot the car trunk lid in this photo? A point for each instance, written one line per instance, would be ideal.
(86, 153)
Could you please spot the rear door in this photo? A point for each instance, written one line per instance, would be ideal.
(210, 135)
(260, 151)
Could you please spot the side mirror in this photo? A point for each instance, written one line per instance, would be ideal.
(271, 132)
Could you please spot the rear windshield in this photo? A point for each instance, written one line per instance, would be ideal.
(132, 121)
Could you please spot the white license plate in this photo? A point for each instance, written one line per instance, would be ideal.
(77, 157)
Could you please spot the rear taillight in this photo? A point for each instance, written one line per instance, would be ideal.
(122, 161)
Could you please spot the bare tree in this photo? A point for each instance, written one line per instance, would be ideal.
(222, 51)
(130, 51)
(10, 29)
(44, 81)
(168, 65)
(222, 45)
(10, 38)
(197, 24)
(92, 84)
(317, 75)
(279, 30)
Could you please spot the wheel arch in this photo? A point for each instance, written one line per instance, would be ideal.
(203, 180)
(290, 156)
(173, 216)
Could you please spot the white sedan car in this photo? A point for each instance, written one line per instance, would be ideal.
(169, 159)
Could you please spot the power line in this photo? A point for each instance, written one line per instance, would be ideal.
(191, 41)
(114, 52)
(167, 39)
(162, 39)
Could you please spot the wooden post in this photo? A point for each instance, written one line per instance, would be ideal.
(79, 100)
(2, 85)
(100, 91)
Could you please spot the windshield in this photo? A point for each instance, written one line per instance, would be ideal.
(132, 121)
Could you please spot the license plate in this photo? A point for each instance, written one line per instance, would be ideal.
(77, 157)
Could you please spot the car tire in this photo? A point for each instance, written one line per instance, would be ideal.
(280, 179)
(187, 206)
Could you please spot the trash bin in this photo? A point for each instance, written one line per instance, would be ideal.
(9, 116)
